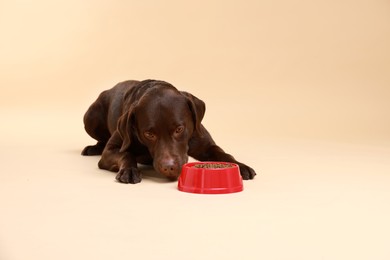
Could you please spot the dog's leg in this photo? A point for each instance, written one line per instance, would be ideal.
(95, 123)
(94, 149)
(122, 162)
(216, 153)
(203, 148)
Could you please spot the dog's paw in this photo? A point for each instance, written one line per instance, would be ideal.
(247, 172)
(93, 150)
(130, 175)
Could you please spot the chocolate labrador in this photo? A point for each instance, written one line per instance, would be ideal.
(150, 122)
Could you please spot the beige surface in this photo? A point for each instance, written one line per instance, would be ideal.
(299, 90)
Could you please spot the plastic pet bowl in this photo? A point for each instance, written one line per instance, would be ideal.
(210, 178)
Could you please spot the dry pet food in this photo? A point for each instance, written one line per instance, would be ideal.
(213, 165)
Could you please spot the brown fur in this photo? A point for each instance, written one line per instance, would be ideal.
(150, 122)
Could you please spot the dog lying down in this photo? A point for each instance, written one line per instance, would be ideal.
(150, 122)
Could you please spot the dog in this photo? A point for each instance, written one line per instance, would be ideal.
(150, 122)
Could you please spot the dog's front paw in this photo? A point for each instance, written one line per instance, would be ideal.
(129, 175)
(247, 172)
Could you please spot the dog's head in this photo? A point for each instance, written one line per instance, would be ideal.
(163, 119)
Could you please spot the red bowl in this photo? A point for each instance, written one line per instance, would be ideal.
(195, 178)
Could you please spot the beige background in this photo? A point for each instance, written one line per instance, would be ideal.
(299, 90)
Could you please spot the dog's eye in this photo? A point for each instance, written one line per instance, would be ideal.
(150, 136)
(179, 130)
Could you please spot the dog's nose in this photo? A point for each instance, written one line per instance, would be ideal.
(169, 168)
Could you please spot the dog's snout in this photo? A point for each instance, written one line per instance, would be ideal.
(169, 168)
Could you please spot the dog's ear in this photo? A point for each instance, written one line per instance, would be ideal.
(198, 109)
(125, 127)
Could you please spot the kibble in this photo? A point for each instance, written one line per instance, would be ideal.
(213, 165)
